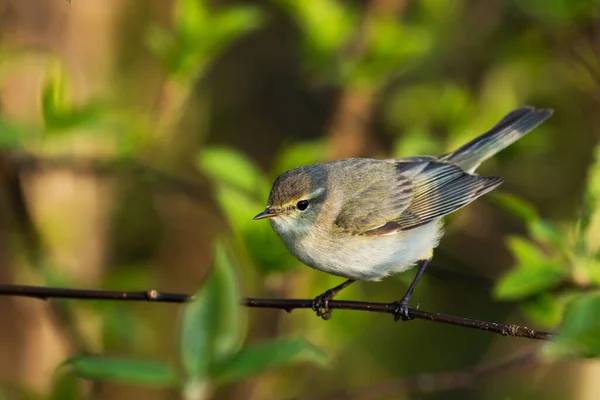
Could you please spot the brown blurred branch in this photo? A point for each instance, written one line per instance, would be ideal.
(45, 293)
(434, 382)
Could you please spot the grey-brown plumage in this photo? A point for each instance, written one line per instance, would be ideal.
(365, 219)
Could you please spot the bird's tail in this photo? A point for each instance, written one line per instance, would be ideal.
(507, 131)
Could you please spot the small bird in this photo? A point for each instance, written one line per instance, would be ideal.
(365, 219)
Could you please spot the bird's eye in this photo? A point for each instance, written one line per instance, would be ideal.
(302, 205)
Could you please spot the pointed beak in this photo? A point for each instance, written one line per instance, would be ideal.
(268, 213)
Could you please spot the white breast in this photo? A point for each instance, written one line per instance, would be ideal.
(362, 257)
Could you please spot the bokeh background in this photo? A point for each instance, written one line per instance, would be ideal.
(225, 95)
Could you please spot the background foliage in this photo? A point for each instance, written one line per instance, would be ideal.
(228, 94)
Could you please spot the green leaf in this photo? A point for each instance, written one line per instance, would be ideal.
(124, 370)
(588, 223)
(212, 326)
(231, 167)
(539, 229)
(327, 26)
(301, 153)
(544, 309)
(533, 274)
(200, 35)
(65, 386)
(579, 335)
(516, 206)
(54, 96)
(390, 48)
(256, 359)
(59, 115)
(13, 136)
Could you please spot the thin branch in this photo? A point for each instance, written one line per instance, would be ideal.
(434, 382)
(45, 293)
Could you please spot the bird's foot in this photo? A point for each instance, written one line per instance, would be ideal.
(401, 312)
(321, 304)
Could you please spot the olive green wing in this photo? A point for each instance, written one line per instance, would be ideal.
(371, 202)
(422, 191)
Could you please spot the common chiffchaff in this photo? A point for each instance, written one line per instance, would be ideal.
(364, 219)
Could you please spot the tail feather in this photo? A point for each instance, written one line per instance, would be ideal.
(507, 131)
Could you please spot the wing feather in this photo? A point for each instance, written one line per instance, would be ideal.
(419, 191)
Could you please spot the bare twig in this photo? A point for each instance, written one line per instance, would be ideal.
(45, 293)
(434, 382)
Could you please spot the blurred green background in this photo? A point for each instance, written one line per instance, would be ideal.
(220, 97)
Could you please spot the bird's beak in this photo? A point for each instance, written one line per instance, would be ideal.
(268, 213)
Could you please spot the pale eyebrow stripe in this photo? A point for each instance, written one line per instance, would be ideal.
(316, 193)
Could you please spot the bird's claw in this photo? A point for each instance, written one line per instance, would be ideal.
(401, 312)
(321, 305)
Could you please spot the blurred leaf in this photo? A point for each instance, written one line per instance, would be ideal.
(579, 335)
(201, 34)
(54, 94)
(124, 329)
(391, 47)
(534, 272)
(124, 370)
(586, 269)
(546, 232)
(256, 359)
(327, 26)
(561, 10)
(59, 115)
(298, 154)
(415, 141)
(588, 224)
(544, 309)
(231, 326)
(539, 229)
(212, 323)
(238, 207)
(13, 136)
(522, 282)
(427, 107)
(65, 386)
(516, 206)
(231, 167)
(268, 252)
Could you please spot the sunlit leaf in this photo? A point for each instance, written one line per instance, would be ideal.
(579, 334)
(534, 272)
(298, 154)
(200, 35)
(522, 282)
(416, 141)
(54, 95)
(233, 168)
(259, 358)
(212, 323)
(327, 25)
(59, 115)
(124, 370)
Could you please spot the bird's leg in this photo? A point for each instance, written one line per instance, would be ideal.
(321, 302)
(401, 311)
